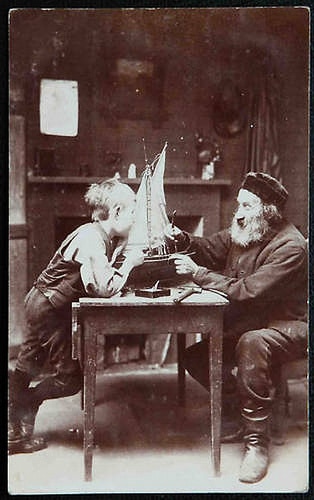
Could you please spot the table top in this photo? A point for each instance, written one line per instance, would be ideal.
(205, 297)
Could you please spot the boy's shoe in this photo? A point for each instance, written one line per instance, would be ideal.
(19, 443)
(27, 445)
(27, 420)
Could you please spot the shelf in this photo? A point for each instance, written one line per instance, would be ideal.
(37, 179)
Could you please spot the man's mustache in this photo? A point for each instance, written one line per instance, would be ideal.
(241, 221)
(245, 230)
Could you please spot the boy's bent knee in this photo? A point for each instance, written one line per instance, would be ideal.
(70, 383)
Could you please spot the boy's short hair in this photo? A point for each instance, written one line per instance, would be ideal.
(102, 196)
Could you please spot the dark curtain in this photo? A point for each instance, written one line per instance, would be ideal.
(262, 145)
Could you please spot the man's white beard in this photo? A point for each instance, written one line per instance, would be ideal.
(253, 231)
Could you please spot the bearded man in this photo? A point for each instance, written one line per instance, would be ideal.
(260, 263)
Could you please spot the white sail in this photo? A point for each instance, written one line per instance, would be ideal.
(150, 212)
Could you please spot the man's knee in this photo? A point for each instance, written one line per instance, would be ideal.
(195, 356)
(250, 343)
(196, 362)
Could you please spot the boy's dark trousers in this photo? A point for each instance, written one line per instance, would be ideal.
(47, 340)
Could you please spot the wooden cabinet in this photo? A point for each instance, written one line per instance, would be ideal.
(18, 231)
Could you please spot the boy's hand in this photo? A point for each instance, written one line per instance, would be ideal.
(135, 257)
(184, 264)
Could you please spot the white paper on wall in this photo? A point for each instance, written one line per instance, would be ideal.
(59, 107)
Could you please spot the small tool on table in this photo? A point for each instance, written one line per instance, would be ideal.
(186, 293)
(152, 292)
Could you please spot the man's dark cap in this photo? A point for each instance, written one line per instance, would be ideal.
(266, 187)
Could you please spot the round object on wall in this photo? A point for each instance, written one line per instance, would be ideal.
(229, 109)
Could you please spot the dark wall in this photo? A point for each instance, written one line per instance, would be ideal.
(192, 50)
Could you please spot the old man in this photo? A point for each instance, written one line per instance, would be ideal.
(260, 263)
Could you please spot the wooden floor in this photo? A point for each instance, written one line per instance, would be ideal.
(146, 443)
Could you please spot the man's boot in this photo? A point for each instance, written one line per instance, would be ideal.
(233, 436)
(255, 460)
(232, 429)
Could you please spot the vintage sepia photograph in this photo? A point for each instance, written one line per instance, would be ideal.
(158, 250)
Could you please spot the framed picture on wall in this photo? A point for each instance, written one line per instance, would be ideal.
(135, 90)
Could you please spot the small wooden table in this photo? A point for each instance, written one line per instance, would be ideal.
(127, 315)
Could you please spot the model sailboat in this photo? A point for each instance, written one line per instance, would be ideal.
(149, 230)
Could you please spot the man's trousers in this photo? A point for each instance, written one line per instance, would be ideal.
(258, 355)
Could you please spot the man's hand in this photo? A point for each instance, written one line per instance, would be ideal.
(172, 232)
(184, 264)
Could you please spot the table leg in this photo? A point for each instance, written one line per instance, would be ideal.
(215, 378)
(82, 351)
(181, 369)
(77, 341)
(75, 331)
(90, 349)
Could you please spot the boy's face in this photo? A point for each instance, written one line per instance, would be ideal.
(125, 216)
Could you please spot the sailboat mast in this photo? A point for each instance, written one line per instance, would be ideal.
(148, 173)
(149, 207)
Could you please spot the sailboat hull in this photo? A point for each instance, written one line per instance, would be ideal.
(157, 267)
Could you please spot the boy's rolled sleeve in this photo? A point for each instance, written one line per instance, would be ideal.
(99, 277)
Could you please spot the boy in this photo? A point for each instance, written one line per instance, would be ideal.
(82, 265)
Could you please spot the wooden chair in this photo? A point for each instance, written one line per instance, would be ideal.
(293, 370)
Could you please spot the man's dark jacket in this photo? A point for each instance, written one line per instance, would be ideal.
(266, 282)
